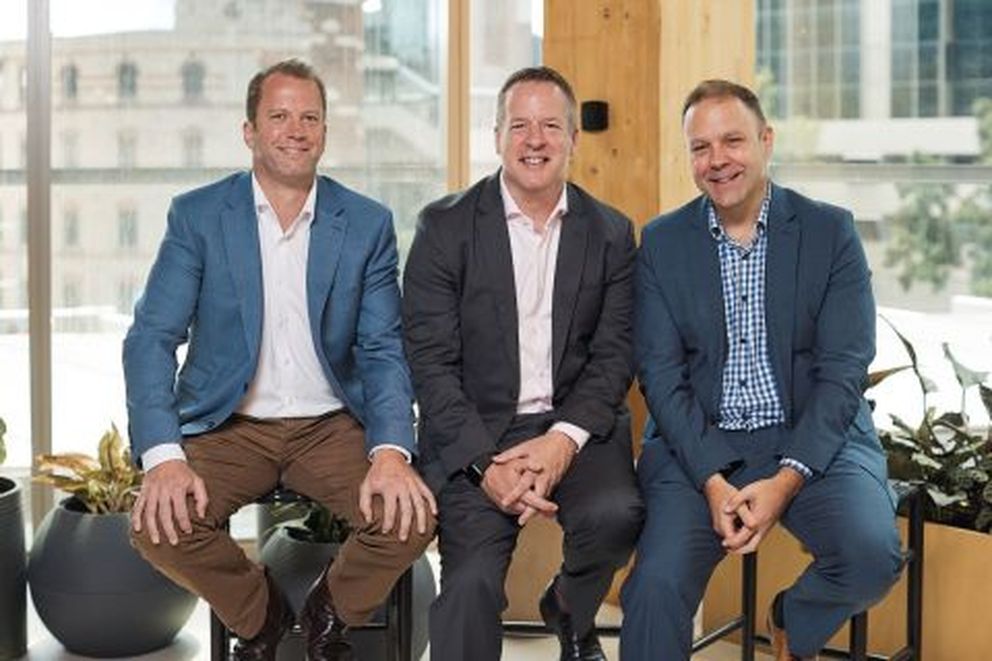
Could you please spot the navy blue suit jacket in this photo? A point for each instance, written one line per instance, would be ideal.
(206, 287)
(820, 317)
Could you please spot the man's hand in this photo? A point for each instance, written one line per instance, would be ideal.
(400, 487)
(730, 524)
(511, 486)
(547, 456)
(162, 501)
(760, 504)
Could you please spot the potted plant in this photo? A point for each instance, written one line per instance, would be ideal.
(296, 552)
(952, 460)
(92, 590)
(13, 596)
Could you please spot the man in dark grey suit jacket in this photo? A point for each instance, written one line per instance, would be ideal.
(754, 328)
(517, 314)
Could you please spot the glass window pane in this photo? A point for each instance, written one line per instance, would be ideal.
(504, 36)
(15, 404)
(910, 159)
(158, 109)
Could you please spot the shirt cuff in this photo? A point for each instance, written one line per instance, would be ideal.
(159, 454)
(578, 435)
(796, 465)
(406, 453)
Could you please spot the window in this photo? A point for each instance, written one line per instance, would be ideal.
(127, 227)
(70, 83)
(127, 81)
(70, 228)
(193, 73)
(127, 149)
(70, 149)
(192, 148)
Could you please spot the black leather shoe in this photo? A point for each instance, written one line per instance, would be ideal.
(324, 630)
(278, 618)
(573, 648)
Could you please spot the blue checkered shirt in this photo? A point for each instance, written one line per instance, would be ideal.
(749, 399)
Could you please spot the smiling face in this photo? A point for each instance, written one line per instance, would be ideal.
(535, 141)
(729, 151)
(287, 136)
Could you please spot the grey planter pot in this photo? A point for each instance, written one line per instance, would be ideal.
(295, 564)
(13, 573)
(93, 591)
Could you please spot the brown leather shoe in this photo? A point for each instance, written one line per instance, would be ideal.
(324, 629)
(278, 618)
(573, 648)
(776, 631)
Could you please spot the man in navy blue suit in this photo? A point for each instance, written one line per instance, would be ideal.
(754, 328)
(284, 284)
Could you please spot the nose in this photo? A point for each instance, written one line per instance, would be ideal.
(535, 135)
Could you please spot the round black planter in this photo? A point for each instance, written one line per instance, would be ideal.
(295, 564)
(93, 591)
(13, 576)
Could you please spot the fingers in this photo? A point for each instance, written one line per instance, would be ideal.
(181, 513)
(365, 500)
(165, 515)
(516, 452)
(404, 500)
(427, 495)
(525, 516)
(200, 497)
(418, 508)
(539, 503)
(523, 485)
(388, 513)
(151, 525)
(736, 539)
(136, 512)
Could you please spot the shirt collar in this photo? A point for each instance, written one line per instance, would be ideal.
(716, 227)
(262, 203)
(512, 209)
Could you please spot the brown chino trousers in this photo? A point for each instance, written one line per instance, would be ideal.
(322, 458)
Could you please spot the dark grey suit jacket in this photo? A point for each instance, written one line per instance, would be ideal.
(460, 324)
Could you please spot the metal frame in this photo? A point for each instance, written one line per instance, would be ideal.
(398, 624)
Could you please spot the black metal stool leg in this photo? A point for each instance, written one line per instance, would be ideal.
(914, 589)
(404, 619)
(220, 639)
(749, 597)
(859, 637)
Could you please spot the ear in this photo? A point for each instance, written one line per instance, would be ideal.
(768, 139)
(248, 134)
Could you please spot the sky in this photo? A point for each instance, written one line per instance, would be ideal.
(73, 18)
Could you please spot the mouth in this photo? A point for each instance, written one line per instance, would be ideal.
(723, 179)
(533, 161)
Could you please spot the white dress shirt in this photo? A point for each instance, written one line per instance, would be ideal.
(534, 249)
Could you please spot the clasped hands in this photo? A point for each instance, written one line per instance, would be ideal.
(743, 517)
(520, 480)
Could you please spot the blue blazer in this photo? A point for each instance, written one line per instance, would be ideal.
(205, 287)
(820, 317)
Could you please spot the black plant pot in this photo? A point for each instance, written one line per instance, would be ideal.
(93, 591)
(13, 576)
(295, 564)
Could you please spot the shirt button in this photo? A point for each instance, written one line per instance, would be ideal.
(743, 340)
(743, 297)
(743, 383)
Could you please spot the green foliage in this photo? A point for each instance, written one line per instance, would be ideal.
(312, 523)
(953, 461)
(108, 483)
(925, 244)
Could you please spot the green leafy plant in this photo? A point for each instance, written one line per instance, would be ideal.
(311, 522)
(108, 483)
(951, 460)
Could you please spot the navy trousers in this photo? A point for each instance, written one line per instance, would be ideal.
(600, 512)
(845, 517)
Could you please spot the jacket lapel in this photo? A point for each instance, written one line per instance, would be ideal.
(327, 235)
(780, 288)
(239, 228)
(494, 247)
(568, 274)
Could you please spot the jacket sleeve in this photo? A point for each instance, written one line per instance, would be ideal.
(379, 349)
(843, 349)
(431, 293)
(605, 378)
(162, 318)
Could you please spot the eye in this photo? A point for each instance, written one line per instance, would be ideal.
(518, 126)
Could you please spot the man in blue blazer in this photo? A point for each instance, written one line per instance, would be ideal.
(754, 328)
(284, 286)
